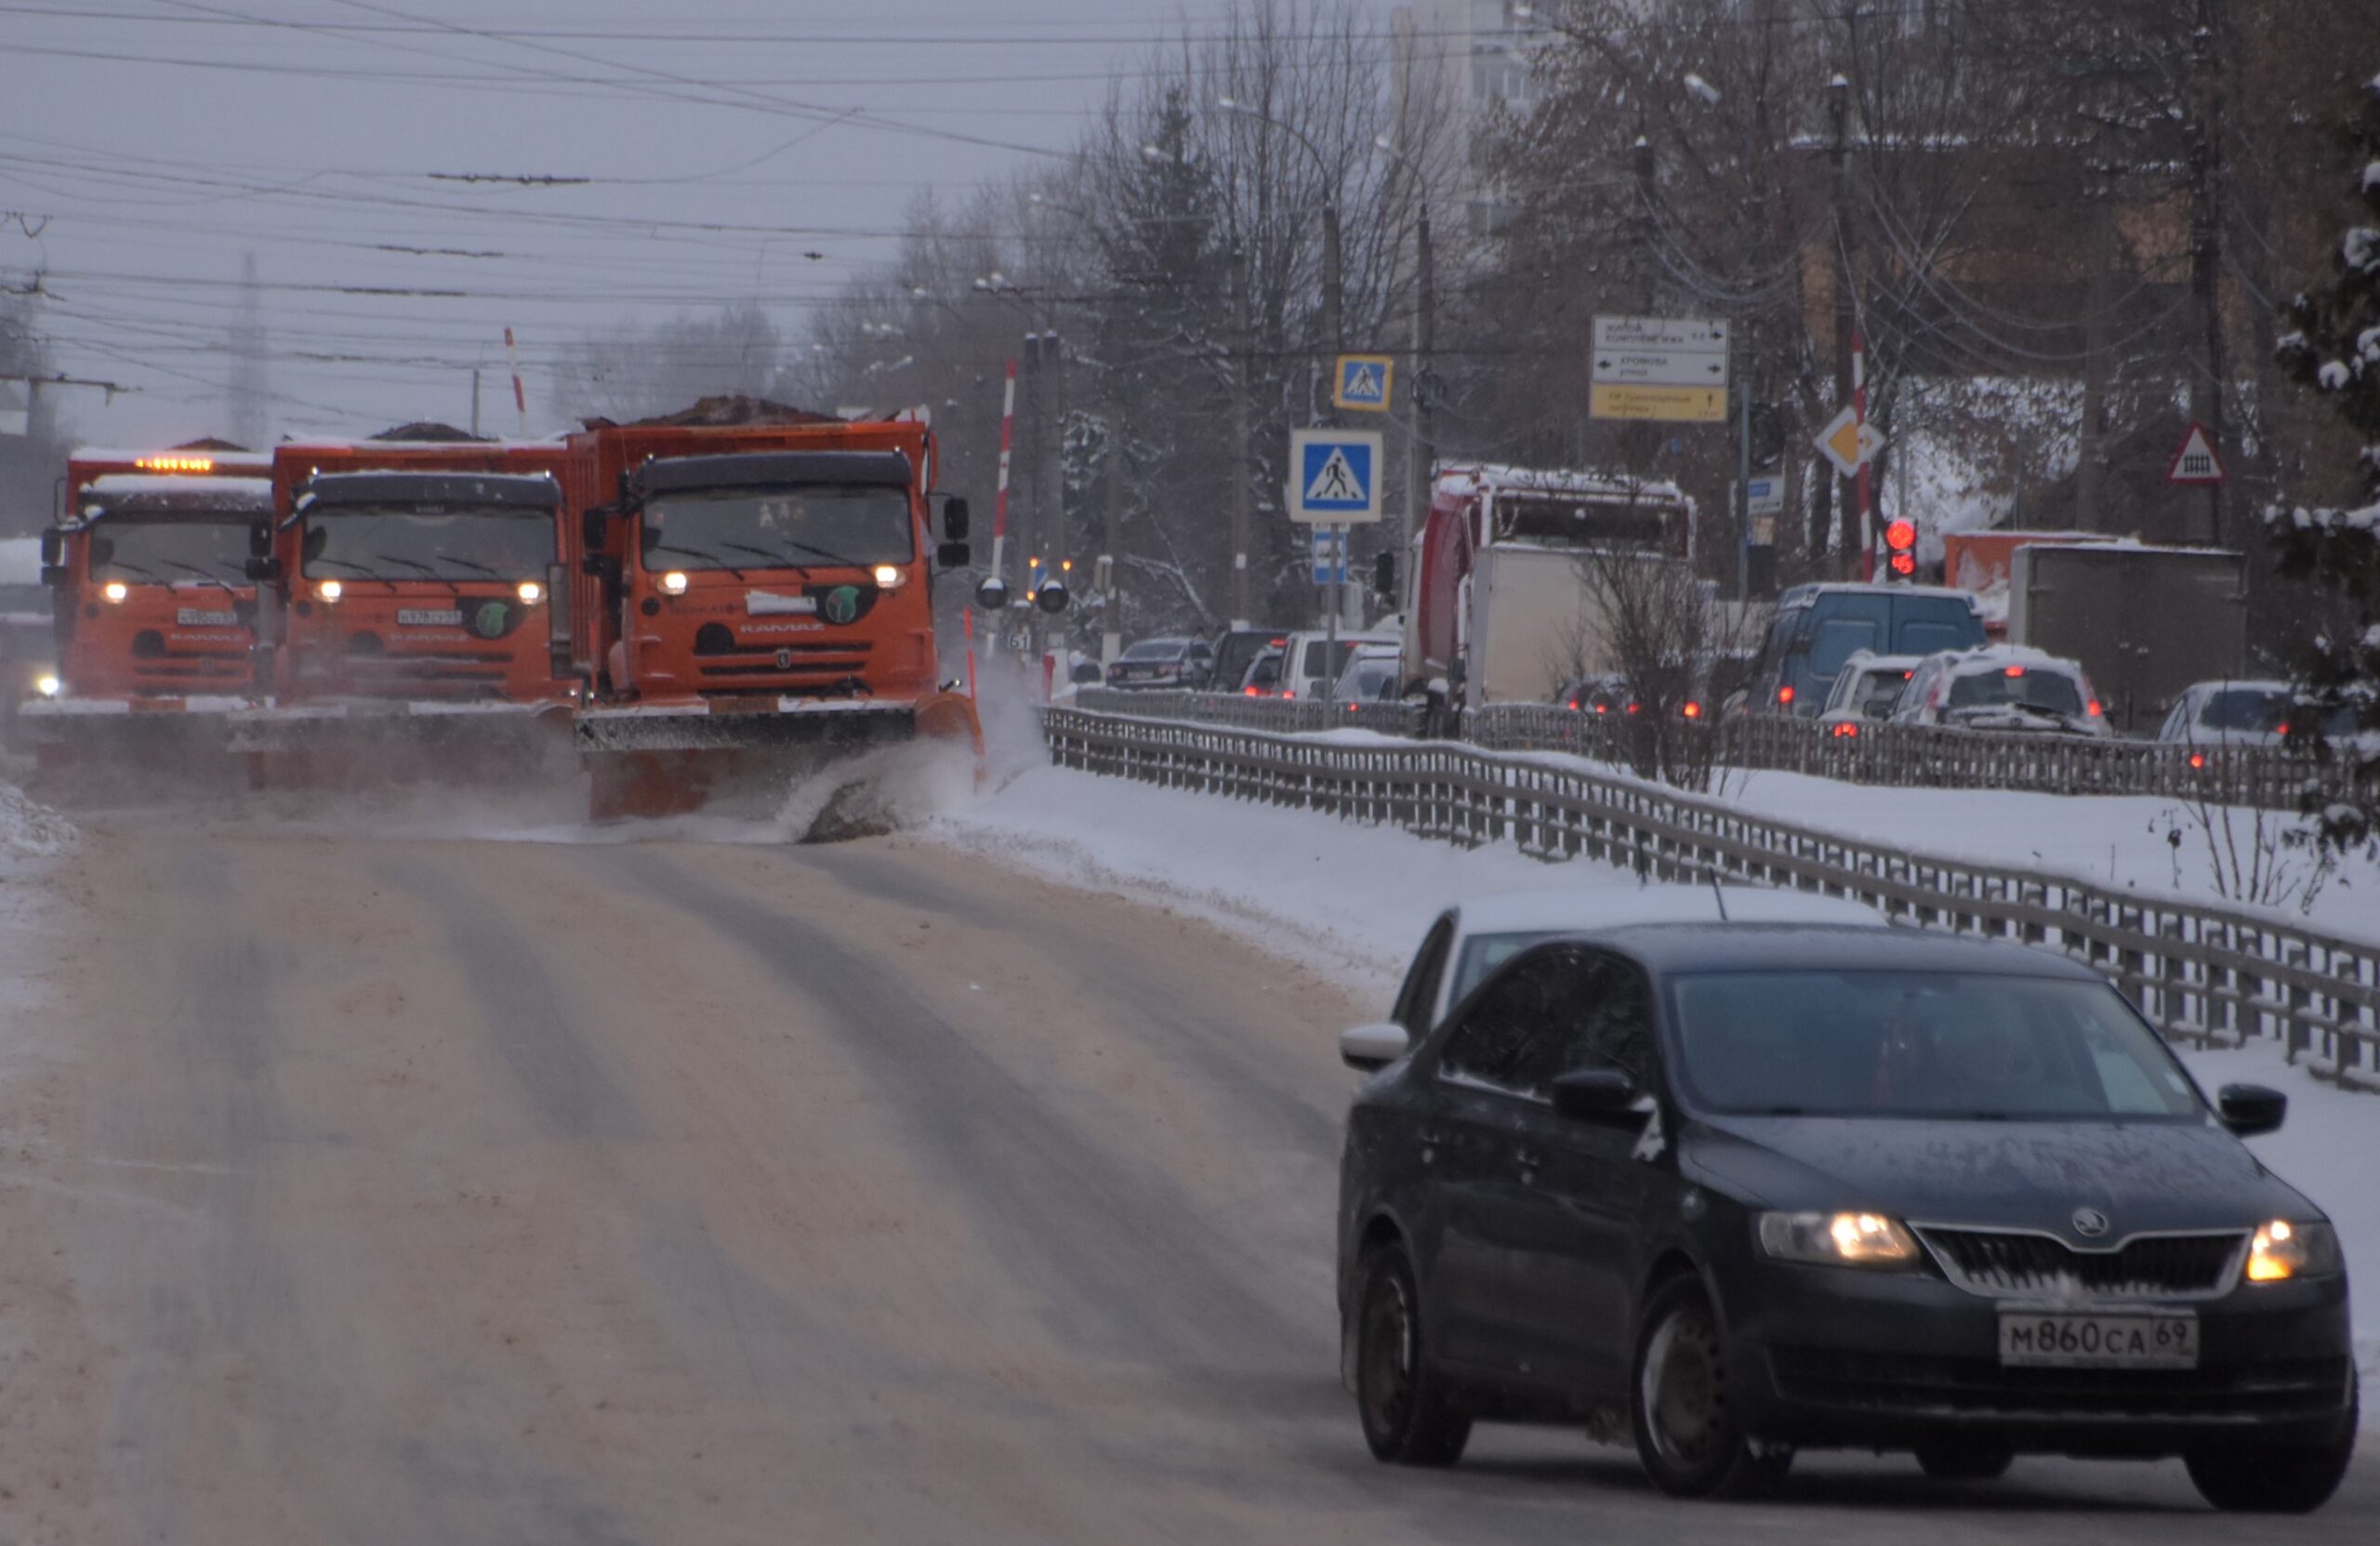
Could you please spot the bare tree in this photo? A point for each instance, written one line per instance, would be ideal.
(637, 371)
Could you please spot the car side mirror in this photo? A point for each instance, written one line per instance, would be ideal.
(2251, 1109)
(1384, 576)
(264, 571)
(260, 540)
(954, 520)
(1595, 1094)
(952, 555)
(591, 528)
(53, 547)
(1370, 1049)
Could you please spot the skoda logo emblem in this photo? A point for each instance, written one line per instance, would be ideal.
(842, 603)
(785, 660)
(2090, 1224)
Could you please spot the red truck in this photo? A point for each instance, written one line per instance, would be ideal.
(759, 585)
(154, 613)
(415, 591)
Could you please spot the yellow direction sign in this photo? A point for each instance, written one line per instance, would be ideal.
(1675, 404)
(1363, 382)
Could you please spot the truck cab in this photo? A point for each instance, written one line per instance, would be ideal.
(148, 571)
(419, 572)
(1817, 628)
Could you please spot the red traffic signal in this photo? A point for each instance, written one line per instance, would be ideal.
(1904, 564)
(1900, 535)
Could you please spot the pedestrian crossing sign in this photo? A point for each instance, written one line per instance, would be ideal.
(1334, 476)
(1364, 382)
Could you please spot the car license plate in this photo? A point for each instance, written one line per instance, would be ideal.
(427, 618)
(2058, 1339)
(194, 617)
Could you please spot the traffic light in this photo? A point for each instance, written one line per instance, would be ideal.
(1767, 437)
(1900, 541)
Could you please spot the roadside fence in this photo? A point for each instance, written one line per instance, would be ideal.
(2206, 975)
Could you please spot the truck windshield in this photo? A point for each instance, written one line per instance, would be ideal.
(182, 550)
(812, 527)
(455, 542)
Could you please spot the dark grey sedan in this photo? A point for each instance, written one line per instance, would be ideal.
(1743, 1189)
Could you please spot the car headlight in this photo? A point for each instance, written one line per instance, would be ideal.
(532, 592)
(48, 685)
(1838, 1239)
(674, 583)
(115, 590)
(2282, 1250)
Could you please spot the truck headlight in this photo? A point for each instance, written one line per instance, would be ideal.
(888, 576)
(115, 590)
(532, 592)
(1838, 1239)
(2282, 1250)
(330, 590)
(674, 583)
(48, 685)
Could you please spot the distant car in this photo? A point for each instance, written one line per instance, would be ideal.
(2230, 714)
(1375, 673)
(1236, 649)
(1310, 667)
(2003, 687)
(1744, 1189)
(1819, 627)
(1607, 693)
(1162, 663)
(1866, 690)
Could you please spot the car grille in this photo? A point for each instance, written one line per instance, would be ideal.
(1977, 1387)
(2006, 1265)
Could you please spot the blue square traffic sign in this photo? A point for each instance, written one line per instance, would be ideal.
(1335, 477)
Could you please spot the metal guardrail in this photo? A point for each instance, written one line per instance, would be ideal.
(1928, 757)
(1286, 715)
(2274, 778)
(2205, 975)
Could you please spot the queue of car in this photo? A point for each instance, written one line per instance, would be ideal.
(1732, 1175)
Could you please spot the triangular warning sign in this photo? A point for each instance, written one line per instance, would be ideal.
(2196, 461)
(1335, 483)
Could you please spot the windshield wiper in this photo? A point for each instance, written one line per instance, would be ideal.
(829, 556)
(358, 568)
(194, 569)
(468, 564)
(142, 570)
(704, 554)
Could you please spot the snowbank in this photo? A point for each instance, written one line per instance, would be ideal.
(31, 831)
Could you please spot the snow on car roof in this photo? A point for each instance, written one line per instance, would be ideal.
(166, 488)
(1588, 910)
(1998, 657)
(1866, 660)
(1482, 477)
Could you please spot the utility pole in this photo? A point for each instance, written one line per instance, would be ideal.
(1334, 336)
(475, 401)
(1838, 107)
(1242, 472)
(2206, 240)
(1422, 453)
(1110, 572)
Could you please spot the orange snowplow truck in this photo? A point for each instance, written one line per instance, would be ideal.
(153, 609)
(764, 578)
(415, 591)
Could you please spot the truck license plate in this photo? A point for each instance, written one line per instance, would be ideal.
(2056, 1338)
(427, 618)
(195, 617)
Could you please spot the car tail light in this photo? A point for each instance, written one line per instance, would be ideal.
(1574, 704)
(1631, 708)
(1847, 732)
(1289, 692)
(2093, 709)
(2281, 729)
(1785, 694)
(2016, 670)
(2198, 760)
(1693, 711)
(1253, 691)
(1602, 708)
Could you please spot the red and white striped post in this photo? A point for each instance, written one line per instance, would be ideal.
(1008, 445)
(520, 398)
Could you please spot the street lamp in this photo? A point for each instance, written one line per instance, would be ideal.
(1421, 462)
(1331, 277)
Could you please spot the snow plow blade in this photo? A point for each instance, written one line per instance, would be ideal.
(354, 745)
(765, 756)
(132, 747)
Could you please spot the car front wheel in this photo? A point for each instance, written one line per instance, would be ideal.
(1687, 1432)
(2250, 1478)
(1408, 1418)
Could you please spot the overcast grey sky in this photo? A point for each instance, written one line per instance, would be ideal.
(163, 139)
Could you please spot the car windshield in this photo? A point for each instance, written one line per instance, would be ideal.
(2247, 709)
(2016, 685)
(1920, 1044)
(1369, 679)
(779, 528)
(178, 552)
(1878, 690)
(1481, 954)
(1156, 649)
(405, 542)
(1314, 658)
